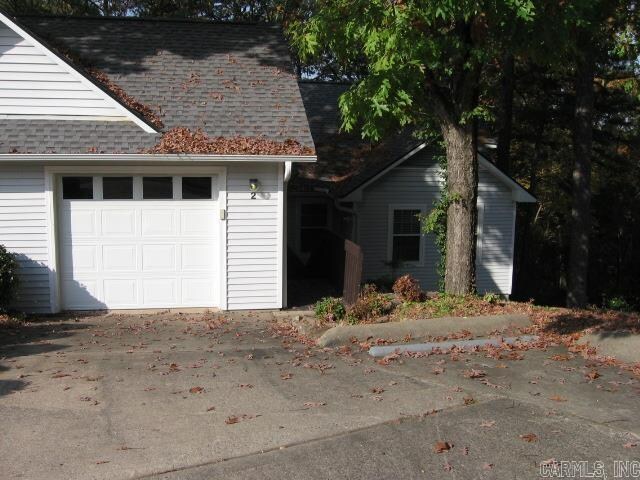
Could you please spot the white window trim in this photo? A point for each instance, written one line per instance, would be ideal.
(53, 192)
(390, 235)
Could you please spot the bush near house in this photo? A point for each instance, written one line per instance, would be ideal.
(407, 289)
(370, 305)
(8, 278)
(330, 309)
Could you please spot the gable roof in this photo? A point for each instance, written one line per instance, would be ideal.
(344, 159)
(225, 79)
(347, 163)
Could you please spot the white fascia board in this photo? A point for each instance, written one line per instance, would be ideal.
(126, 113)
(64, 158)
(519, 194)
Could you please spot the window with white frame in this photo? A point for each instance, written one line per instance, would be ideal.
(405, 235)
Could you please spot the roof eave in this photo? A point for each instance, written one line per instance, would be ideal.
(149, 158)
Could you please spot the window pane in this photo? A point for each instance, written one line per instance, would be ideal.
(157, 188)
(406, 221)
(117, 188)
(406, 249)
(196, 188)
(313, 215)
(77, 188)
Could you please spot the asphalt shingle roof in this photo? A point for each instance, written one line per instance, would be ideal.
(226, 79)
(345, 160)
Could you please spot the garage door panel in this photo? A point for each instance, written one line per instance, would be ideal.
(159, 222)
(81, 258)
(120, 292)
(198, 258)
(197, 222)
(159, 258)
(159, 291)
(119, 258)
(80, 223)
(118, 222)
(81, 294)
(196, 289)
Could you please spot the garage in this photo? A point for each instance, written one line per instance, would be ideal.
(139, 241)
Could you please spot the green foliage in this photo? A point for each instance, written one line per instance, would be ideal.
(423, 57)
(435, 221)
(8, 278)
(330, 309)
(491, 298)
(619, 304)
(444, 304)
(370, 305)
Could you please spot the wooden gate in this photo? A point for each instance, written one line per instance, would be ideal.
(352, 272)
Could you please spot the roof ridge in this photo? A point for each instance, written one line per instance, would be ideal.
(313, 81)
(201, 21)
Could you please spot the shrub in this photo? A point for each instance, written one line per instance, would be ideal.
(618, 303)
(330, 309)
(370, 305)
(491, 298)
(407, 289)
(8, 278)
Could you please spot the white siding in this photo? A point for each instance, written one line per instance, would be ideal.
(34, 85)
(24, 231)
(417, 182)
(254, 237)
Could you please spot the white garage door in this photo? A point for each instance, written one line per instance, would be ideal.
(138, 241)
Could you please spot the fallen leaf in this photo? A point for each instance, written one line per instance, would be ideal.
(441, 447)
(211, 409)
(100, 462)
(286, 376)
(473, 373)
(529, 437)
(314, 404)
(488, 423)
(196, 390)
(469, 400)
(592, 375)
(447, 467)
(231, 420)
(377, 390)
(630, 445)
(557, 398)
(487, 466)
(245, 385)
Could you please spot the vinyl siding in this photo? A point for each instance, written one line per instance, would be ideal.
(24, 231)
(417, 182)
(34, 85)
(254, 237)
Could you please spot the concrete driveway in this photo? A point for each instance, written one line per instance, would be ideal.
(210, 396)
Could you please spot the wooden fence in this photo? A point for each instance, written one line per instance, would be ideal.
(352, 272)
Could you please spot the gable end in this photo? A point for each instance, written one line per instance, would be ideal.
(35, 83)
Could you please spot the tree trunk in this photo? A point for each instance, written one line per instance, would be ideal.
(506, 113)
(462, 184)
(581, 201)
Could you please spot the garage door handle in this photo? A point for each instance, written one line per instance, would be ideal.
(223, 214)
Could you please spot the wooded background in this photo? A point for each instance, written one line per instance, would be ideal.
(563, 109)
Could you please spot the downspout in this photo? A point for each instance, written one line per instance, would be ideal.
(288, 167)
(350, 211)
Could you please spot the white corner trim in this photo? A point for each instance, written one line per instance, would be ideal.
(222, 235)
(52, 263)
(81, 78)
(281, 238)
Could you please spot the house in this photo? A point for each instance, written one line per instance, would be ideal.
(372, 195)
(143, 163)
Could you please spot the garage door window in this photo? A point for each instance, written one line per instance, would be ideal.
(157, 188)
(117, 188)
(77, 188)
(196, 188)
